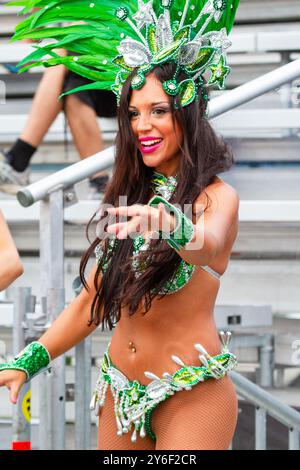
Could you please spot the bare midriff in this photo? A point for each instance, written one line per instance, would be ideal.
(172, 326)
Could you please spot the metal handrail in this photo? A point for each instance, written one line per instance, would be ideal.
(78, 171)
(267, 404)
(260, 397)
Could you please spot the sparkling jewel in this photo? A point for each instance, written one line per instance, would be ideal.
(122, 13)
(166, 3)
(220, 4)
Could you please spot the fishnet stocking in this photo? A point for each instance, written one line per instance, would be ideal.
(202, 418)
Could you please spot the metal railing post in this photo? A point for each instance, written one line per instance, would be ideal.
(21, 411)
(266, 356)
(83, 394)
(52, 389)
(57, 386)
(294, 439)
(83, 377)
(260, 429)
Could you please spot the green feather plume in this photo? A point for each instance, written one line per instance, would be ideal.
(94, 42)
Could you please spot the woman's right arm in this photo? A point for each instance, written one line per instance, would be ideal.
(69, 329)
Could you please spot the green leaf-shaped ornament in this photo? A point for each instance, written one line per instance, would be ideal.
(205, 57)
(167, 53)
(188, 376)
(120, 61)
(187, 92)
(105, 363)
(184, 32)
(152, 39)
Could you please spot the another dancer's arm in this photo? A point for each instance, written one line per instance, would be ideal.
(10, 264)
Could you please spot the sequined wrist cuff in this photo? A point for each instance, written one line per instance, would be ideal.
(32, 360)
(184, 230)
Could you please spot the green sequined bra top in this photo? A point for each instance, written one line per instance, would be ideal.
(163, 186)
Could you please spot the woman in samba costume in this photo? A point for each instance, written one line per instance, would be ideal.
(158, 271)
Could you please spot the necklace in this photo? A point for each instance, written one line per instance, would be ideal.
(163, 185)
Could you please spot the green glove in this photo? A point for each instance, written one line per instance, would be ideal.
(33, 360)
(184, 230)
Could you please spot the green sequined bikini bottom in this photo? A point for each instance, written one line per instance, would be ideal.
(134, 402)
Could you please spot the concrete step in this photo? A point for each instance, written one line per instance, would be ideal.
(265, 182)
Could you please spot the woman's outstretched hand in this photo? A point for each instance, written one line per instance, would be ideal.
(13, 380)
(144, 219)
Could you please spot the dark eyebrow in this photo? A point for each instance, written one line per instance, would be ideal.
(152, 104)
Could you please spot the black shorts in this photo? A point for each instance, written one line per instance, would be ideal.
(104, 102)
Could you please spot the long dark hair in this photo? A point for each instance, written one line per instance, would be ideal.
(204, 155)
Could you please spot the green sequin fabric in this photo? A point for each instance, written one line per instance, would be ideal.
(32, 360)
(165, 187)
(134, 402)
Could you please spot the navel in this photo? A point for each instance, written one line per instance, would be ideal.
(132, 346)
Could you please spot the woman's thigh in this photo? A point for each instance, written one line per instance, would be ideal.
(202, 418)
(107, 431)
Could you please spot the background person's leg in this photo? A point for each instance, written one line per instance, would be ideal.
(44, 110)
(84, 126)
(203, 418)
(45, 106)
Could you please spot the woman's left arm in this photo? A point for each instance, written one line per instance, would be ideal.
(10, 263)
(213, 226)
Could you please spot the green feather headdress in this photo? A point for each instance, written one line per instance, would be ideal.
(114, 39)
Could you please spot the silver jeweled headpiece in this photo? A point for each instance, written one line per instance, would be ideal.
(193, 34)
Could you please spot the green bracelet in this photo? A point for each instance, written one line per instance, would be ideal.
(184, 230)
(33, 360)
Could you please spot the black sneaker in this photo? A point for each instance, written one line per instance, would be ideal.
(11, 181)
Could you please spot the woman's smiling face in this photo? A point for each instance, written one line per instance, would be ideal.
(151, 120)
